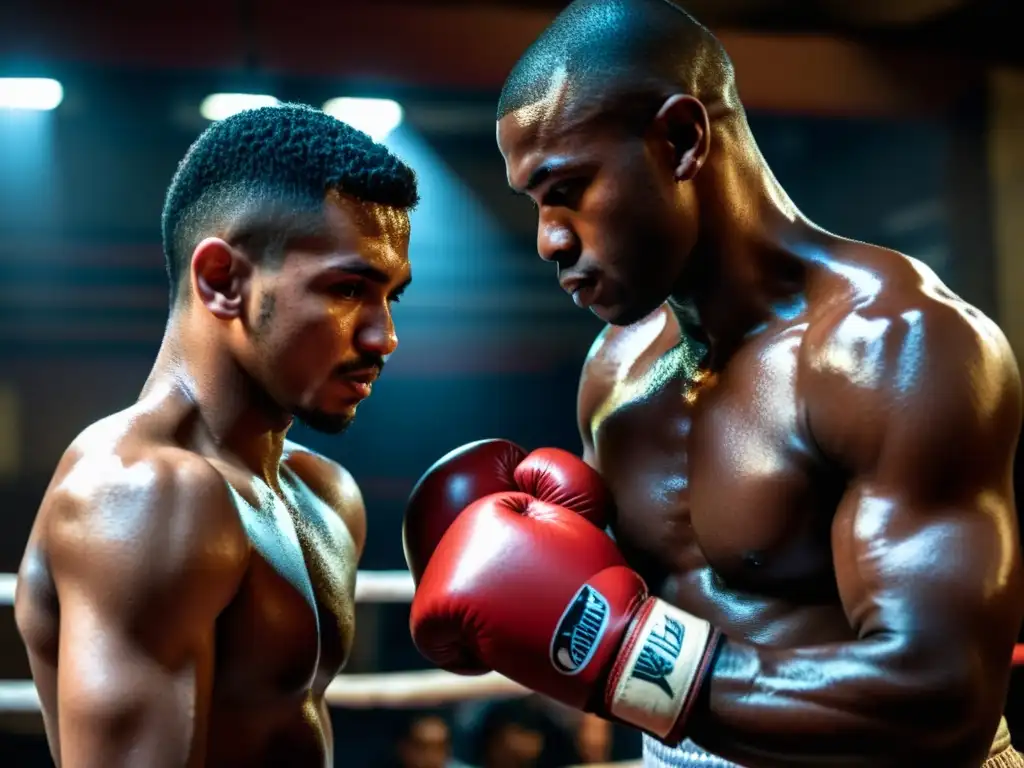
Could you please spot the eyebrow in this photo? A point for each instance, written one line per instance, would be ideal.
(542, 173)
(371, 273)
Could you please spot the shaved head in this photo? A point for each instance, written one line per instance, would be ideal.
(603, 54)
(605, 123)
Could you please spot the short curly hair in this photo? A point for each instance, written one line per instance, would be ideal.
(260, 170)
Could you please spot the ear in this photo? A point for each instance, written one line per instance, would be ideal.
(683, 122)
(219, 275)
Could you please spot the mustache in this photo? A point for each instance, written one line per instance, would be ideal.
(365, 363)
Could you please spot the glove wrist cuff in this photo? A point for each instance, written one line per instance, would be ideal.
(660, 668)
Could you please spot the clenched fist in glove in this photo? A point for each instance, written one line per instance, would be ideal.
(526, 583)
(485, 467)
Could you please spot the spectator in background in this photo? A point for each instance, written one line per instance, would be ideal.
(594, 739)
(518, 733)
(426, 743)
(512, 735)
(423, 740)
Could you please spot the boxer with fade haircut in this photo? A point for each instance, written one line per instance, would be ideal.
(263, 180)
(187, 592)
(807, 441)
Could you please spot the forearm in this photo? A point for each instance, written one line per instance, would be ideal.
(858, 703)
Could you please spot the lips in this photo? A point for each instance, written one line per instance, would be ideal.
(582, 289)
(359, 382)
(360, 388)
(367, 376)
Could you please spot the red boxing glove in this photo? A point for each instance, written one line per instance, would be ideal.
(537, 593)
(451, 484)
(479, 469)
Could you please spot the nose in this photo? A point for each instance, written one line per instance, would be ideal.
(377, 332)
(555, 240)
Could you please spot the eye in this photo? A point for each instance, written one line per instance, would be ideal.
(564, 194)
(347, 290)
(395, 298)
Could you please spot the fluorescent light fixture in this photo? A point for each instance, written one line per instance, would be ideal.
(36, 93)
(376, 117)
(218, 106)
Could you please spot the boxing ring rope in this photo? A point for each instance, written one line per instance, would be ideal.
(394, 690)
(371, 587)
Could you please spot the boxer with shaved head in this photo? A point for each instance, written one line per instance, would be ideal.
(792, 537)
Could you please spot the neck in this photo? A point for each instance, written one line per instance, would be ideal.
(225, 415)
(746, 266)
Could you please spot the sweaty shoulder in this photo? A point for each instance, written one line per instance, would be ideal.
(620, 353)
(333, 484)
(897, 351)
(124, 513)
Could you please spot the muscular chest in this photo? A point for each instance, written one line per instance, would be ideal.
(290, 629)
(713, 479)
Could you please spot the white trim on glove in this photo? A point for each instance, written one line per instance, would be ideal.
(665, 655)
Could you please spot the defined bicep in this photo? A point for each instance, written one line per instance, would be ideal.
(126, 698)
(143, 562)
(935, 571)
(924, 538)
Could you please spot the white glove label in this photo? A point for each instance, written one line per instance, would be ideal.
(579, 631)
(660, 669)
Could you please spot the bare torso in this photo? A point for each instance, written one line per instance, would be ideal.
(725, 503)
(288, 628)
